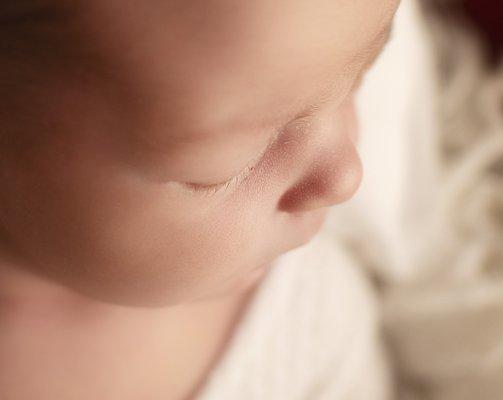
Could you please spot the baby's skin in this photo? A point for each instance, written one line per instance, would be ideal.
(155, 157)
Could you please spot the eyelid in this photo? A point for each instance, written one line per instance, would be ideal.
(217, 187)
(237, 179)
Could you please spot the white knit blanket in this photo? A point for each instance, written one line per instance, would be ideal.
(311, 333)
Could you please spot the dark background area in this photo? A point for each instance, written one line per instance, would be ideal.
(487, 16)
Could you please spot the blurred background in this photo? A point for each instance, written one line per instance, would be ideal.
(428, 221)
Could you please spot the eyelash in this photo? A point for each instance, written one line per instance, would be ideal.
(236, 180)
(213, 189)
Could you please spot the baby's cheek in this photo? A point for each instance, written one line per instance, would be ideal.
(103, 230)
(218, 244)
(149, 245)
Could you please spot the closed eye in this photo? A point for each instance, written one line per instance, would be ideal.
(235, 180)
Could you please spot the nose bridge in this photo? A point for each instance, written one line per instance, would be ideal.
(334, 171)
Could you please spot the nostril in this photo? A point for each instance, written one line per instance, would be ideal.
(330, 183)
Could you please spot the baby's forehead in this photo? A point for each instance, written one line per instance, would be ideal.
(216, 64)
(227, 55)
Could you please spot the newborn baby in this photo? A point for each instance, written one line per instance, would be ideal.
(156, 157)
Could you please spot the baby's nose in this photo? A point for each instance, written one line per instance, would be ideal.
(331, 181)
(334, 174)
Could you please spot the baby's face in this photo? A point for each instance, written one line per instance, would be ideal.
(158, 152)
